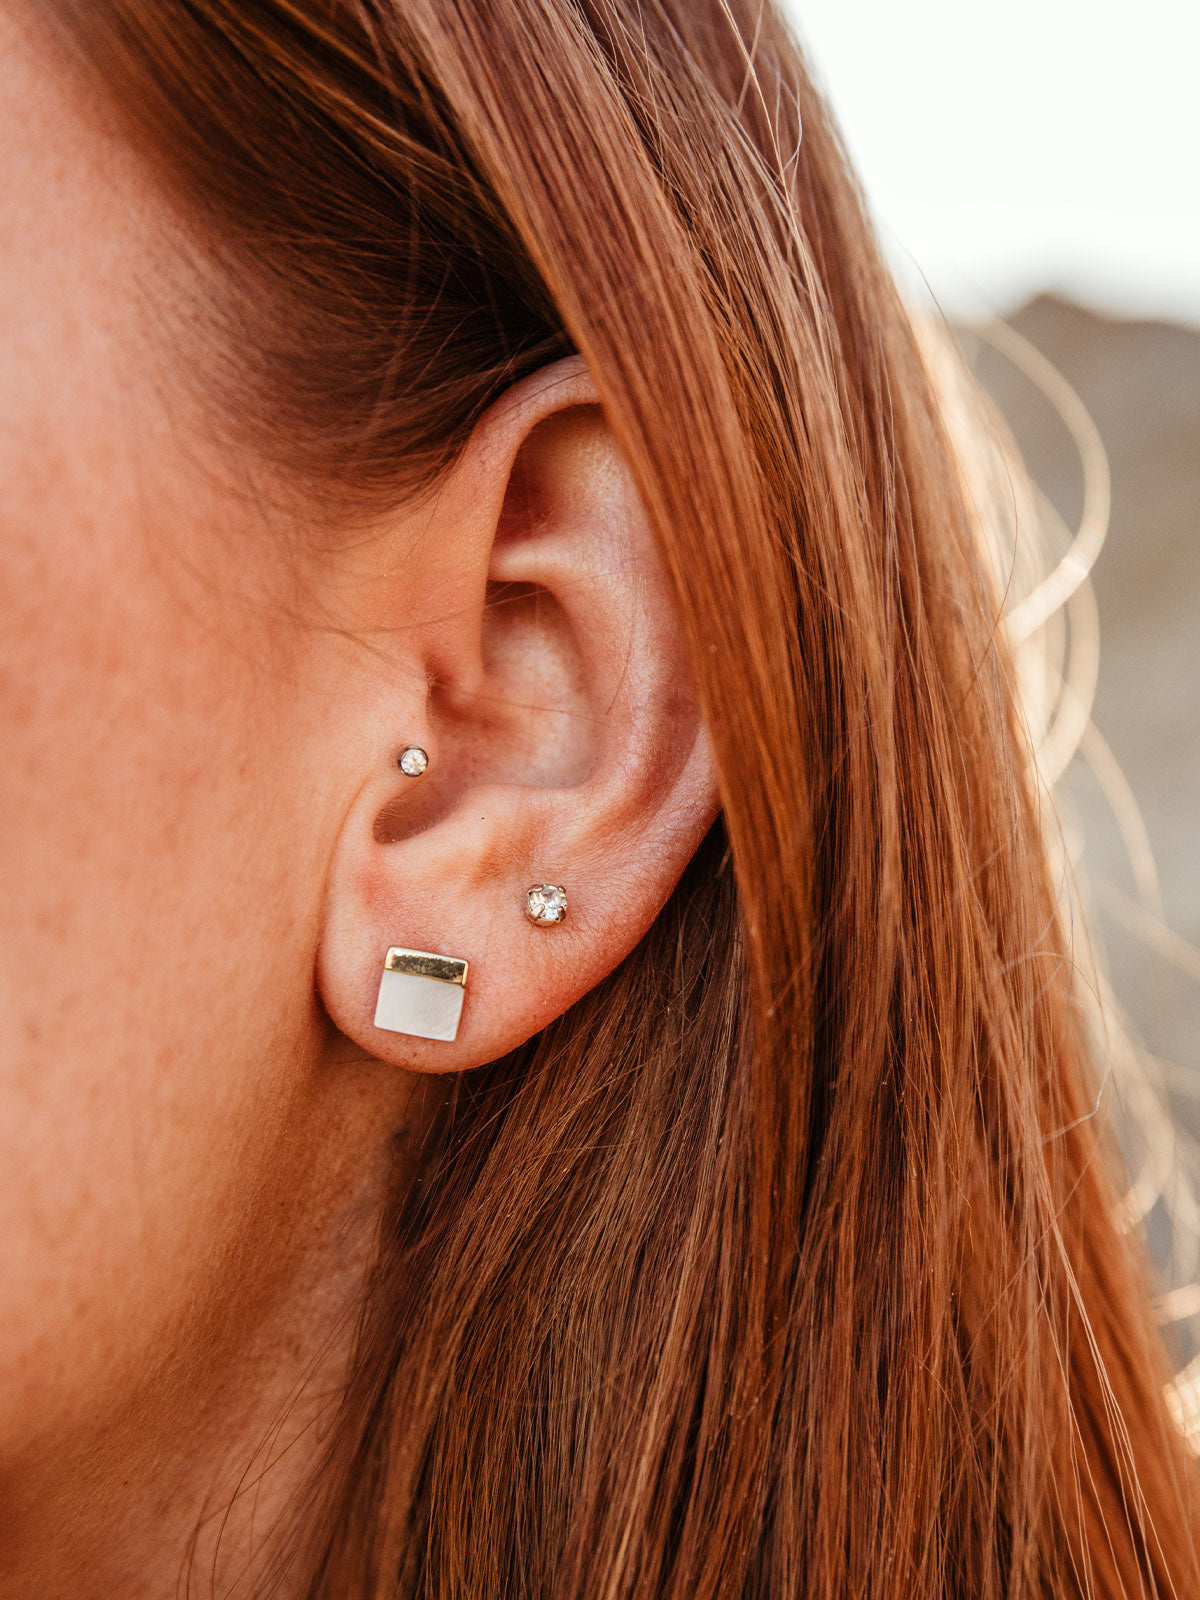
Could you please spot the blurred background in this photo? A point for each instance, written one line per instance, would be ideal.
(1037, 162)
(1042, 145)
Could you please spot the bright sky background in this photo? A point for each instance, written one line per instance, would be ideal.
(1035, 144)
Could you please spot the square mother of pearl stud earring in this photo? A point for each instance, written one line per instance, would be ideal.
(421, 994)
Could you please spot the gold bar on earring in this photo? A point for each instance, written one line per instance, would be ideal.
(423, 964)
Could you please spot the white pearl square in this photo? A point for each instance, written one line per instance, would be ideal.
(426, 1008)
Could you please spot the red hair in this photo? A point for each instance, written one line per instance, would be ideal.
(785, 1262)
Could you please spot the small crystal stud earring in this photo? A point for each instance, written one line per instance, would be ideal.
(546, 904)
(412, 761)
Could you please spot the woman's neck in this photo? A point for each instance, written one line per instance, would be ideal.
(190, 1488)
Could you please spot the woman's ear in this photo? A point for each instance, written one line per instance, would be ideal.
(538, 663)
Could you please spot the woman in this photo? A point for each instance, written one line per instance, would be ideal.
(540, 1055)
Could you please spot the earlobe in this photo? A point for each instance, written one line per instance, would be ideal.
(567, 767)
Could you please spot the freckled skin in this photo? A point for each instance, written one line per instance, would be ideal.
(172, 1122)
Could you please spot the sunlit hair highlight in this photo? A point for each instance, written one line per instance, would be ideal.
(785, 1263)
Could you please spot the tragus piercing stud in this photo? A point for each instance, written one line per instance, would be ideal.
(412, 761)
(546, 904)
(421, 994)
